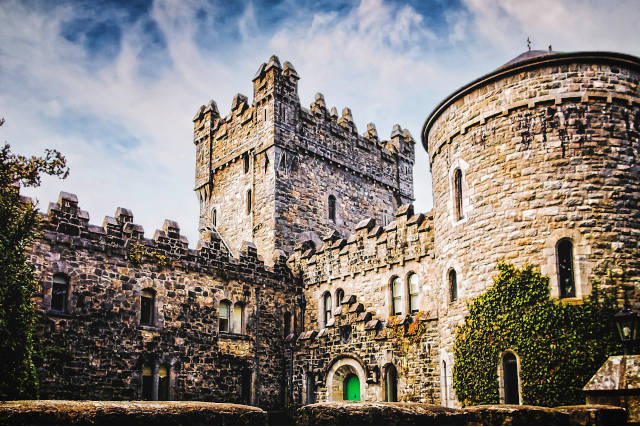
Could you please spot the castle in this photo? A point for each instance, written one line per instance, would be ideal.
(311, 256)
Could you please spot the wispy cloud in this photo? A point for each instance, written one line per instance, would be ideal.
(114, 85)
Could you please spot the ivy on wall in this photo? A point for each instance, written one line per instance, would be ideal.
(559, 345)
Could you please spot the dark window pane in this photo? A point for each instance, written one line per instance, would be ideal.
(163, 383)
(510, 370)
(391, 385)
(457, 178)
(246, 386)
(287, 324)
(147, 383)
(146, 307)
(59, 297)
(565, 269)
(311, 389)
(453, 285)
(332, 208)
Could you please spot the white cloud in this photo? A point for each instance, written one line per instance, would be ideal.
(381, 59)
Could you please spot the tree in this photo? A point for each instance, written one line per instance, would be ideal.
(19, 226)
(559, 345)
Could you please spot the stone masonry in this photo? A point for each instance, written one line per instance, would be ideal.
(540, 151)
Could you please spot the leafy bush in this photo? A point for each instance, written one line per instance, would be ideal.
(560, 345)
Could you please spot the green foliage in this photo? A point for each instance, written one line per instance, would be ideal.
(137, 252)
(19, 224)
(559, 345)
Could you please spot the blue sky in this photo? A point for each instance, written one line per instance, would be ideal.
(114, 84)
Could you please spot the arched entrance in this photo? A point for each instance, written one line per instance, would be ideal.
(508, 372)
(391, 384)
(351, 388)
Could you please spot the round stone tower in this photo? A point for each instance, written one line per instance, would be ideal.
(538, 162)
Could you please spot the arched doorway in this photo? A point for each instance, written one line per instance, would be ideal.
(351, 388)
(510, 379)
(391, 384)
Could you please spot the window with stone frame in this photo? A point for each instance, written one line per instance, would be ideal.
(457, 187)
(510, 379)
(311, 388)
(287, 323)
(59, 294)
(453, 285)
(147, 306)
(566, 276)
(237, 320)
(163, 383)
(326, 308)
(396, 297)
(414, 293)
(249, 202)
(246, 162)
(339, 297)
(332, 208)
(224, 310)
(391, 384)
(214, 217)
(147, 382)
(155, 383)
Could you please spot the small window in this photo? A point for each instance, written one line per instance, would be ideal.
(566, 282)
(339, 297)
(248, 202)
(391, 384)
(453, 285)
(147, 303)
(59, 293)
(147, 382)
(245, 391)
(214, 217)
(445, 385)
(163, 383)
(311, 388)
(223, 320)
(332, 208)
(238, 319)
(396, 297)
(413, 293)
(327, 307)
(287, 324)
(246, 163)
(457, 183)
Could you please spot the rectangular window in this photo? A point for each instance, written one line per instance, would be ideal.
(248, 202)
(413, 293)
(146, 307)
(397, 297)
(59, 295)
(237, 319)
(224, 317)
(163, 383)
(147, 383)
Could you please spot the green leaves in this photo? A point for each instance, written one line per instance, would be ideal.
(19, 224)
(560, 346)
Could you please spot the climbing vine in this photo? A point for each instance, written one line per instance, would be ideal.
(406, 331)
(137, 252)
(560, 345)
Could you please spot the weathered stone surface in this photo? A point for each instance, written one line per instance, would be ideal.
(67, 412)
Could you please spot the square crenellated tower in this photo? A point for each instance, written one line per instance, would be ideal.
(275, 173)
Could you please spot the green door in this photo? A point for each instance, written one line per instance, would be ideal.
(351, 388)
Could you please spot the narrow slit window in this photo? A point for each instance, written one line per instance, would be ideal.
(238, 319)
(214, 217)
(327, 307)
(147, 302)
(287, 324)
(566, 277)
(147, 382)
(413, 293)
(510, 379)
(396, 297)
(246, 163)
(332, 208)
(59, 293)
(163, 383)
(223, 320)
(457, 183)
(453, 285)
(391, 384)
(249, 202)
(339, 297)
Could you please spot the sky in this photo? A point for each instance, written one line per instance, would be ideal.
(114, 85)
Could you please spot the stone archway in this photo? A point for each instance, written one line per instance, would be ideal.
(342, 372)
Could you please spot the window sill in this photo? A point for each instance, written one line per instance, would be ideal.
(231, 335)
(61, 314)
(149, 327)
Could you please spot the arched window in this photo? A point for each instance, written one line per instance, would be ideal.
(351, 388)
(332, 208)
(248, 202)
(453, 285)
(59, 293)
(287, 324)
(223, 316)
(237, 323)
(326, 308)
(246, 163)
(339, 297)
(457, 186)
(214, 217)
(510, 379)
(564, 255)
(414, 293)
(396, 297)
(147, 306)
(391, 384)
(147, 382)
(163, 383)
(445, 385)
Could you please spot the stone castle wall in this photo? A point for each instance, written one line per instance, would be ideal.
(548, 150)
(96, 348)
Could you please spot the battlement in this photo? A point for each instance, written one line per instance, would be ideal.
(276, 117)
(67, 224)
(370, 247)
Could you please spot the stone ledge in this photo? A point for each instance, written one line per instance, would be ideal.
(401, 413)
(57, 412)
